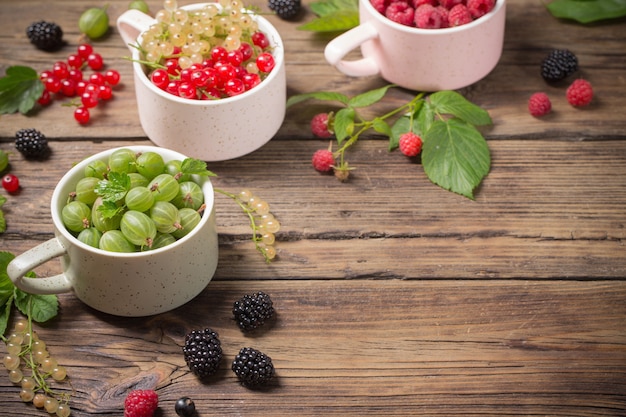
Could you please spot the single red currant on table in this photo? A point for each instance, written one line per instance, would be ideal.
(10, 183)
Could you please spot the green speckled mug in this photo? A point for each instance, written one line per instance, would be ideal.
(123, 284)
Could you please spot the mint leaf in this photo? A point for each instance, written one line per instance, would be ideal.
(195, 166)
(3, 223)
(19, 90)
(320, 95)
(370, 97)
(344, 123)
(115, 187)
(587, 11)
(451, 102)
(455, 156)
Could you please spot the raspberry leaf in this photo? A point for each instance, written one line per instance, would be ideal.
(455, 156)
(333, 16)
(451, 102)
(368, 98)
(587, 11)
(344, 123)
(380, 126)
(3, 223)
(19, 90)
(320, 95)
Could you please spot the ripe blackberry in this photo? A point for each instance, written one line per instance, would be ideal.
(252, 367)
(559, 64)
(285, 9)
(252, 310)
(31, 143)
(202, 352)
(45, 35)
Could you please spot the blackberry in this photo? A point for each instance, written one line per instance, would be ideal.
(252, 367)
(45, 35)
(202, 352)
(31, 143)
(285, 9)
(559, 64)
(252, 310)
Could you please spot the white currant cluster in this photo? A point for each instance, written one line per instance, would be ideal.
(25, 351)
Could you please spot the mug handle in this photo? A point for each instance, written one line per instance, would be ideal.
(339, 47)
(131, 24)
(27, 261)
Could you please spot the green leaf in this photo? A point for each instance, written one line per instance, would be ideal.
(401, 126)
(115, 187)
(344, 123)
(320, 95)
(368, 98)
(587, 11)
(6, 285)
(338, 22)
(455, 156)
(40, 308)
(195, 167)
(19, 90)
(381, 126)
(425, 116)
(110, 209)
(324, 8)
(451, 102)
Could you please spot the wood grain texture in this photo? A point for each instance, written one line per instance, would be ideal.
(393, 297)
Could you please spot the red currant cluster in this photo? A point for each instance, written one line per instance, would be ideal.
(67, 79)
(222, 74)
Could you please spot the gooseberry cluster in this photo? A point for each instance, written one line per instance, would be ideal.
(67, 79)
(135, 201)
(26, 351)
(214, 52)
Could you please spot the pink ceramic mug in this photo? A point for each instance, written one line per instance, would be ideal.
(421, 59)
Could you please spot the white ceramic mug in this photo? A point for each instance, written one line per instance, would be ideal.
(124, 284)
(420, 59)
(210, 130)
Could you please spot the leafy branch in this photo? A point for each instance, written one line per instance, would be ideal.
(455, 154)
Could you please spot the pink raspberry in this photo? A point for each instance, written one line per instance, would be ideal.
(480, 8)
(323, 160)
(380, 5)
(449, 4)
(141, 403)
(459, 15)
(539, 104)
(410, 144)
(579, 93)
(445, 23)
(418, 3)
(319, 126)
(427, 17)
(400, 12)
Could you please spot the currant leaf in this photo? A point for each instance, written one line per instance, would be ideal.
(41, 308)
(19, 90)
(195, 166)
(115, 187)
(455, 156)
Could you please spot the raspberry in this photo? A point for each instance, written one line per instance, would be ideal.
(418, 3)
(449, 4)
(400, 12)
(579, 93)
(459, 15)
(252, 367)
(427, 17)
(558, 64)
(539, 104)
(45, 36)
(478, 8)
(320, 125)
(380, 5)
(323, 160)
(252, 310)
(285, 9)
(31, 143)
(141, 403)
(410, 144)
(202, 352)
(444, 13)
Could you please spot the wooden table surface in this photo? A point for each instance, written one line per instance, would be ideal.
(393, 297)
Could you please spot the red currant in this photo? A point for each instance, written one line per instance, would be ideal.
(10, 183)
(45, 98)
(260, 40)
(251, 80)
(105, 92)
(81, 115)
(84, 50)
(160, 78)
(187, 90)
(265, 62)
(234, 87)
(112, 77)
(68, 87)
(172, 66)
(52, 84)
(219, 53)
(89, 100)
(76, 75)
(60, 70)
(97, 78)
(235, 58)
(95, 61)
(246, 50)
(74, 61)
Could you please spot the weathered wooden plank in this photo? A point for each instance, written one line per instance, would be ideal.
(366, 348)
